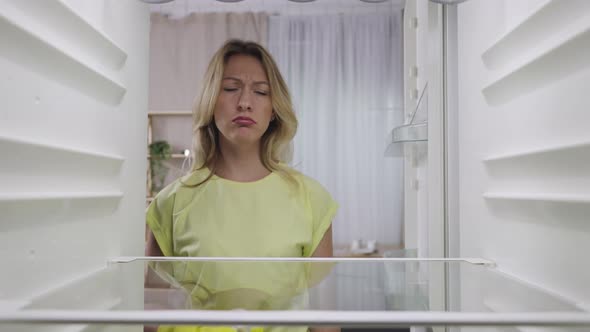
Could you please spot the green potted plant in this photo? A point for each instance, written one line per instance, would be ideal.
(160, 151)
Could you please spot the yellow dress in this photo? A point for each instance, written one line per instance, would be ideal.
(222, 218)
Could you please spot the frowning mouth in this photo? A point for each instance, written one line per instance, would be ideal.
(243, 121)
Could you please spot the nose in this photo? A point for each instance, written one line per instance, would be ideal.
(245, 103)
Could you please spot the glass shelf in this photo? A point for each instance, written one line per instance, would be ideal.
(174, 156)
(416, 129)
(346, 292)
(410, 133)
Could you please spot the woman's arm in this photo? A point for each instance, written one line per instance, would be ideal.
(151, 279)
(152, 248)
(325, 249)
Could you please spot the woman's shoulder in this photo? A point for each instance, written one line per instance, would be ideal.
(320, 201)
(183, 183)
(310, 185)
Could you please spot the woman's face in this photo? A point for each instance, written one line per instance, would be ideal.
(243, 110)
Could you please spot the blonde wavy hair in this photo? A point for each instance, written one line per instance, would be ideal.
(275, 142)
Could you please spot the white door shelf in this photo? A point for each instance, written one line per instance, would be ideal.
(416, 129)
(410, 133)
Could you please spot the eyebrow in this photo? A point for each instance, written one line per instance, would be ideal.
(239, 80)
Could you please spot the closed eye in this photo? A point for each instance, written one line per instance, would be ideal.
(230, 89)
(262, 93)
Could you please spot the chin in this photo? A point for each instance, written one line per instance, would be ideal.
(246, 139)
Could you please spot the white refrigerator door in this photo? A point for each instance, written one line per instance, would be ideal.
(73, 88)
(524, 151)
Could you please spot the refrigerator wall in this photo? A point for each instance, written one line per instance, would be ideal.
(72, 139)
(524, 151)
(517, 150)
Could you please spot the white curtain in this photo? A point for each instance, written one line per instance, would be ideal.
(180, 50)
(345, 75)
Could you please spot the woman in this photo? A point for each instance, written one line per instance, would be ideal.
(240, 199)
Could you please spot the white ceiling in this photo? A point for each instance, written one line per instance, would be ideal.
(179, 8)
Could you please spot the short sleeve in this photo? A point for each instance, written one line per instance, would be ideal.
(159, 218)
(323, 209)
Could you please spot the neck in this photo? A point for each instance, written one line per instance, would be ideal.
(240, 163)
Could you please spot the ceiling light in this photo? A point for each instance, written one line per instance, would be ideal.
(156, 2)
(448, 2)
